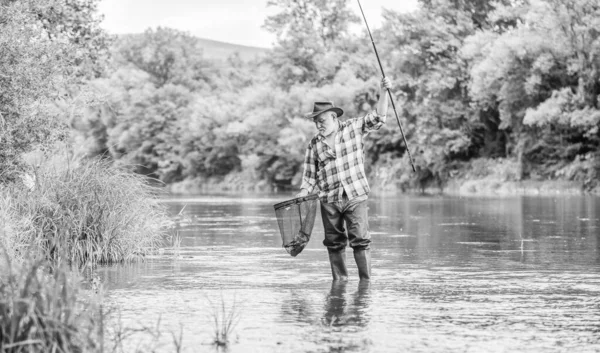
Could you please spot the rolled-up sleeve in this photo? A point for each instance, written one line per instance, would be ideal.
(369, 122)
(309, 178)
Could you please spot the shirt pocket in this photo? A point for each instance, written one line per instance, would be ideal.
(324, 158)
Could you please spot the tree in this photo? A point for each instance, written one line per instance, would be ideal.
(78, 23)
(46, 49)
(431, 81)
(425, 51)
(478, 10)
(167, 55)
(543, 74)
(308, 32)
(156, 80)
(31, 69)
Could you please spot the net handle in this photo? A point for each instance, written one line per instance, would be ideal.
(300, 215)
(296, 201)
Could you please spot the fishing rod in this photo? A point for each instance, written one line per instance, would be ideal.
(388, 90)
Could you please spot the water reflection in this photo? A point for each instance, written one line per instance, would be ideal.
(335, 304)
(297, 308)
(519, 274)
(340, 311)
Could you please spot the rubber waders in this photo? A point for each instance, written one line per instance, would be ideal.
(338, 265)
(363, 262)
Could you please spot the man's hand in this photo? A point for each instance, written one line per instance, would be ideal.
(302, 193)
(386, 84)
(382, 104)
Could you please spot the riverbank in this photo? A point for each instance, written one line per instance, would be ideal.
(56, 226)
(497, 187)
(509, 188)
(487, 186)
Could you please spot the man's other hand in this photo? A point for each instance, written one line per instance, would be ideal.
(302, 193)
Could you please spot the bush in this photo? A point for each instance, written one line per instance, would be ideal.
(497, 168)
(96, 212)
(584, 168)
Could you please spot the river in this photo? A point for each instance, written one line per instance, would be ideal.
(450, 274)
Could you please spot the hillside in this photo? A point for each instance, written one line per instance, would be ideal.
(220, 50)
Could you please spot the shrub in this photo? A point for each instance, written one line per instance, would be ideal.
(498, 168)
(584, 168)
(96, 212)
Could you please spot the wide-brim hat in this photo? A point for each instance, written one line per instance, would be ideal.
(322, 107)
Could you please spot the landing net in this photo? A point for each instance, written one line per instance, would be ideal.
(296, 219)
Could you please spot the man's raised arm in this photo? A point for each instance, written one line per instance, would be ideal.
(383, 102)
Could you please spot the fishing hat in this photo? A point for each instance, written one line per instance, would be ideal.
(322, 107)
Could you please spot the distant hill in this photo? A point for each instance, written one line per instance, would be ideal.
(220, 50)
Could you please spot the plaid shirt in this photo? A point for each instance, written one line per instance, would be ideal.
(340, 168)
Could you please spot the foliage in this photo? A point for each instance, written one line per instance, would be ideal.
(31, 70)
(501, 169)
(41, 310)
(432, 76)
(479, 11)
(544, 74)
(168, 56)
(585, 168)
(75, 22)
(46, 49)
(160, 111)
(493, 80)
(83, 212)
(311, 36)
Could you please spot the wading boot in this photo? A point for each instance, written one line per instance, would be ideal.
(363, 262)
(338, 265)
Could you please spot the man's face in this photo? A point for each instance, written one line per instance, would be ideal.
(326, 123)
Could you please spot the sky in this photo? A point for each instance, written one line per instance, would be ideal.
(232, 21)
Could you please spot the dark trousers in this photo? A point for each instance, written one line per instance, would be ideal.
(354, 214)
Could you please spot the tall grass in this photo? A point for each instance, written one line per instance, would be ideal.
(96, 212)
(68, 212)
(41, 311)
(224, 319)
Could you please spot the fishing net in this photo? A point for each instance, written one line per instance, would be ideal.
(296, 219)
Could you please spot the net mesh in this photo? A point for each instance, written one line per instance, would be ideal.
(296, 219)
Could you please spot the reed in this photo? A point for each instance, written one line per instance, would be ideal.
(225, 318)
(70, 212)
(176, 244)
(42, 311)
(96, 212)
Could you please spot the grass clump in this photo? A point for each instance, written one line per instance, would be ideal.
(61, 215)
(87, 210)
(225, 318)
(41, 310)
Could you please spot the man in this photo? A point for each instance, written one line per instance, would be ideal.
(334, 163)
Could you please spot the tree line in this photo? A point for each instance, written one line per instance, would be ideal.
(503, 87)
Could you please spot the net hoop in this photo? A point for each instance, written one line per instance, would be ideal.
(297, 200)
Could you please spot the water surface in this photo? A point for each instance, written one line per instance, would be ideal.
(449, 275)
